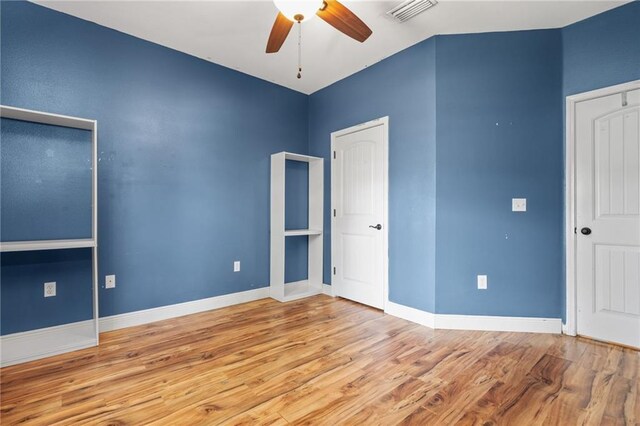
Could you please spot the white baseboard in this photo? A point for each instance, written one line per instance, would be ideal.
(146, 316)
(491, 323)
(475, 322)
(410, 314)
(565, 330)
(30, 345)
(35, 344)
(327, 289)
(26, 346)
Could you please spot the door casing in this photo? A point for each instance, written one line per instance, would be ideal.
(383, 121)
(570, 327)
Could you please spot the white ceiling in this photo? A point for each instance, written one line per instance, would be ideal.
(234, 33)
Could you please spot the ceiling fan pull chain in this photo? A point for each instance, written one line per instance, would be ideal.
(299, 49)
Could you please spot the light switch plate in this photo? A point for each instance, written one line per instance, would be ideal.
(482, 282)
(519, 204)
(110, 281)
(236, 266)
(50, 289)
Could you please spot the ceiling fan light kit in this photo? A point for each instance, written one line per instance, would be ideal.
(331, 11)
(298, 10)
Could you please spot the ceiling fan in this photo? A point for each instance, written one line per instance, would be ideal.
(331, 11)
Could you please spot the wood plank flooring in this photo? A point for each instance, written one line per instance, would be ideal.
(323, 361)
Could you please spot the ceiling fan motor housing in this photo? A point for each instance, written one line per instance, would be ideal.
(331, 11)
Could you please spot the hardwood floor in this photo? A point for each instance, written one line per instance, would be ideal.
(323, 361)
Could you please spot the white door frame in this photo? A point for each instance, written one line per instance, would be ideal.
(571, 325)
(384, 121)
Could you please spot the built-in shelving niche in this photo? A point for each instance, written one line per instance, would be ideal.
(313, 284)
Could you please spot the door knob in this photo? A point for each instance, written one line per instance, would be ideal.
(378, 226)
(585, 231)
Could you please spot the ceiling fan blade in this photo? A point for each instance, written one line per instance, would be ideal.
(344, 20)
(279, 33)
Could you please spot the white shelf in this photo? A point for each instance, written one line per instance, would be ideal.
(300, 157)
(46, 245)
(46, 118)
(299, 290)
(297, 232)
(49, 341)
(315, 220)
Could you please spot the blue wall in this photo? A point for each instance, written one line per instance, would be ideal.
(403, 88)
(499, 136)
(296, 216)
(498, 123)
(513, 79)
(45, 182)
(602, 51)
(184, 150)
(23, 304)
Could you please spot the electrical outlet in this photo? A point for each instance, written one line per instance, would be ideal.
(50, 289)
(482, 282)
(236, 266)
(110, 281)
(518, 204)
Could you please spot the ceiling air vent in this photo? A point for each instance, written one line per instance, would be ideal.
(410, 8)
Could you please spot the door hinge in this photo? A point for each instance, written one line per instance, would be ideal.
(334, 155)
(334, 212)
(334, 270)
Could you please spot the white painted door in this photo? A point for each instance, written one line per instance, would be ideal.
(358, 219)
(608, 218)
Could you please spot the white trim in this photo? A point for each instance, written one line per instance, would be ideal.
(9, 246)
(278, 234)
(94, 231)
(327, 289)
(571, 326)
(44, 342)
(35, 344)
(77, 123)
(31, 345)
(146, 316)
(492, 323)
(605, 91)
(296, 290)
(298, 232)
(474, 322)
(410, 314)
(385, 196)
(23, 114)
(300, 157)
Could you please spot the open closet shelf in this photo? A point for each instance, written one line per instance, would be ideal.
(46, 118)
(298, 290)
(280, 290)
(299, 157)
(73, 336)
(297, 232)
(46, 245)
